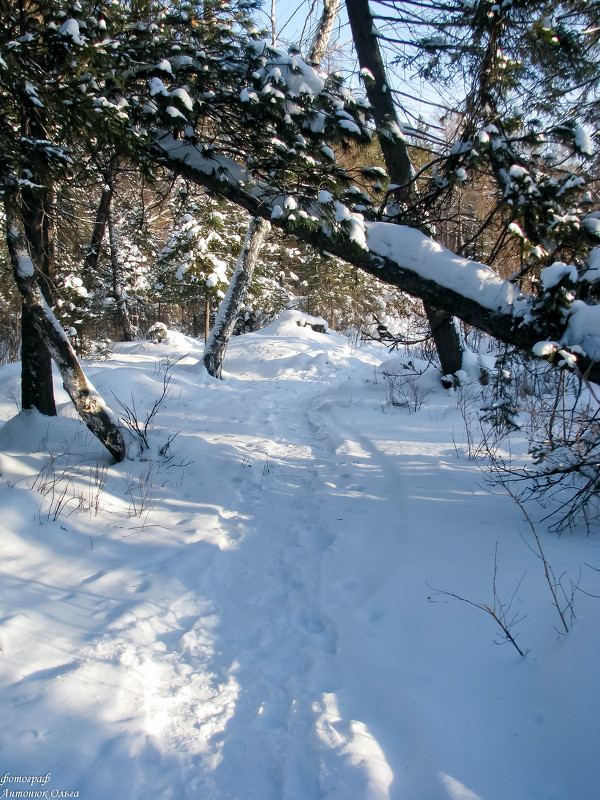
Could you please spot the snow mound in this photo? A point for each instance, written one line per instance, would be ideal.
(173, 342)
(289, 322)
(32, 432)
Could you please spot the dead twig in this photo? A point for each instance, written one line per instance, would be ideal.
(551, 580)
(498, 611)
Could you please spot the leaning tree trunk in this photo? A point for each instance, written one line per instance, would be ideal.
(444, 331)
(90, 406)
(464, 294)
(229, 310)
(214, 352)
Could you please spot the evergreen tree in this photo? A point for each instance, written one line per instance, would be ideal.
(522, 81)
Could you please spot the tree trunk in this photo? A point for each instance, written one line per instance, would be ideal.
(116, 265)
(393, 147)
(214, 352)
(273, 25)
(445, 334)
(321, 40)
(206, 317)
(37, 217)
(37, 390)
(397, 160)
(102, 215)
(98, 418)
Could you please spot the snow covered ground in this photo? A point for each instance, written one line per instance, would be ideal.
(257, 616)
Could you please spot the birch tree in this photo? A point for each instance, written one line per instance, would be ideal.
(227, 316)
(233, 302)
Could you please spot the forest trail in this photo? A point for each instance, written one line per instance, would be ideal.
(278, 642)
(250, 618)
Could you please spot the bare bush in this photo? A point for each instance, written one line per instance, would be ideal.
(70, 486)
(141, 427)
(405, 390)
(564, 443)
(140, 488)
(562, 601)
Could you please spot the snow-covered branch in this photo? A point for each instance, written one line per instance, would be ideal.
(400, 256)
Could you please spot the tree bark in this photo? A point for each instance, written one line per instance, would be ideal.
(323, 34)
(102, 215)
(397, 160)
(98, 418)
(206, 316)
(445, 334)
(214, 352)
(36, 213)
(37, 389)
(393, 147)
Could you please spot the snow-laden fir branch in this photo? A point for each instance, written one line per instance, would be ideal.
(398, 255)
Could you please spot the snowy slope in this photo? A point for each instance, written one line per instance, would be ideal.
(255, 617)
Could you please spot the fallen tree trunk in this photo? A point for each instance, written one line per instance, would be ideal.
(97, 416)
(398, 255)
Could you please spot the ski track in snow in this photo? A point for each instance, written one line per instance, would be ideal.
(209, 635)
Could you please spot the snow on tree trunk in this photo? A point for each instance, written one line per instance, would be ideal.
(116, 265)
(214, 352)
(97, 416)
(397, 160)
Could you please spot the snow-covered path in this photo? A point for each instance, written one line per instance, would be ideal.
(278, 637)
(253, 620)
